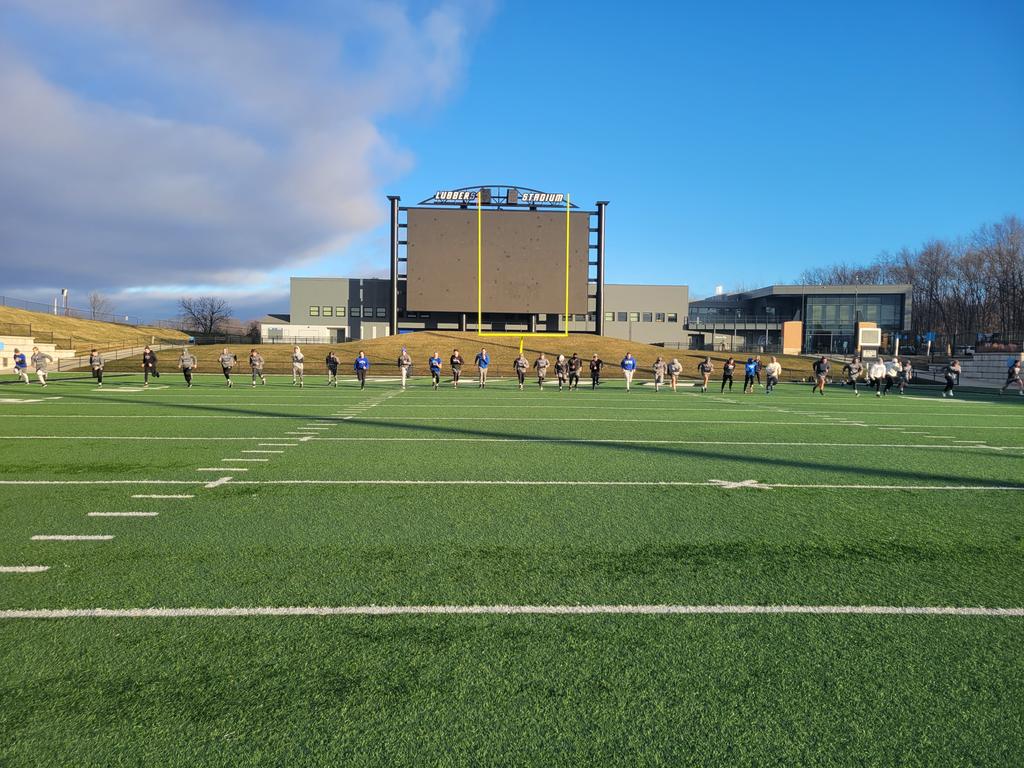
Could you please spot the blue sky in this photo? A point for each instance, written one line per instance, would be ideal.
(169, 148)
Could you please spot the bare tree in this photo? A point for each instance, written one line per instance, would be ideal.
(963, 289)
(99, 305)
(204, 314)
(252, 330)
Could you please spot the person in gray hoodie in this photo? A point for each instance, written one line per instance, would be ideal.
(227, 362)
(96, 364)
(256, 364)
(187, 363)
(40, 360)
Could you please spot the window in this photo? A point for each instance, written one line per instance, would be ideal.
(327, 311)
(382, 312)
(621, 317)
(367, 311)
(339, 311)
(659, 317)
(354, 312)
(648, 317)
(673, 317)
(314, 311)
(634, 317)
(580, 318)
(609, 316)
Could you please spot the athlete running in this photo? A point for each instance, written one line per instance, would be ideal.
(256, 366)
(298, 367)
(456, 362)
(596, 364)
(227, 361)
(435, 369)
(704, 369)
(541, 364)
(361, 366)
(521, 365)
(628, 366)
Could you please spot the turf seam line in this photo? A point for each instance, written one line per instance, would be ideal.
(71, 537)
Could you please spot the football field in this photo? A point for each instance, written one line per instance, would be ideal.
(474, 577)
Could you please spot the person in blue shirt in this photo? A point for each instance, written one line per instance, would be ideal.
(361, 366)
(482, 361)
(435, 368)
(20, 365)
(628, 366)
(749, 375)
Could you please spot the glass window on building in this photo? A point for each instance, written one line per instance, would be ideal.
(354, 311)
(609, 316)
(648, 317)
(382, 312)
(314, 311)
(367, 311)
(659, 317)
(339, 311)
(327, 311)
(673, 317)
(620, 317)
(580, 318)
(634, 317)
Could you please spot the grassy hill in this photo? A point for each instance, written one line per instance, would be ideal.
(72, 333)
(383, 353)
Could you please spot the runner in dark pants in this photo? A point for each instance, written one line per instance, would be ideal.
(521, 365)
(727, 368)
(950, 372)
(575, 364)
(187, 362)
(361, 366)
(148, 366)
(456, 361)
(596, 364)
(96, 363)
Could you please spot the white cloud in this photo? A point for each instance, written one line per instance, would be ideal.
(254, 146)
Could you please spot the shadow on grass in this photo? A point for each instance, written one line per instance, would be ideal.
(887, 475)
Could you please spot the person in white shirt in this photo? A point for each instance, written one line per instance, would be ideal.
(876, 373)
(892, 373)
(772, 372)
(298, 367)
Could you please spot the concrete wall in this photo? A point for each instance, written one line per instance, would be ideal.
(655, 300)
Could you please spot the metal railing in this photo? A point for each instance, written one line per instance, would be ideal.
(79, 314)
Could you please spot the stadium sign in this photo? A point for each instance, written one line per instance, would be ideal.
(470, 196)
(455, 195)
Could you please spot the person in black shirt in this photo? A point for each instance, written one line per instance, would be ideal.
(596, 363)
(821, 369)
(148, 366)
(574, 371)
(727, 368)
(950, 372)
(456, 361)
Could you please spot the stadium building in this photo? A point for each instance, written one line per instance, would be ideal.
(504, 259)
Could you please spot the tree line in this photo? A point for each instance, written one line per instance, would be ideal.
(961, 288)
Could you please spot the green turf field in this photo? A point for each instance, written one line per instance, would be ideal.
(654, 579)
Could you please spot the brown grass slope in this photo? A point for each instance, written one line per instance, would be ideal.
(72, 333)
(383, 353)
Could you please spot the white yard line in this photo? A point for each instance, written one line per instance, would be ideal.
(148, 495)
(245, 460)
(66, 537)
(222, 469)
(123, 514)
(276, 445)
(218, 482)
(24, 568)
(513, 610)
(261, 451)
